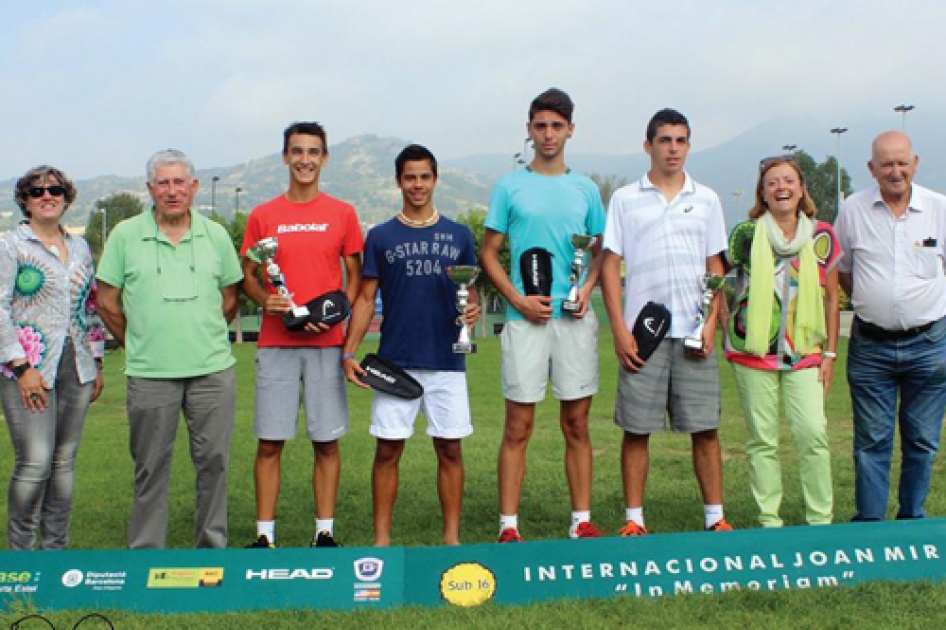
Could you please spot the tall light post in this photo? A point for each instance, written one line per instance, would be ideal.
(903, 109)
(838, 131)
(104, 212)
(737, 197)
(213, 193)
(517, 161)
(238, 191)
(525, 147)
(789, 148)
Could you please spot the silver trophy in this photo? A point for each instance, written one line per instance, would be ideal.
(581, 243)
(710, 283)
(264, 252)
(463, 276)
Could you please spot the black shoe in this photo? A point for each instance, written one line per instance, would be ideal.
(324, 539)
(261, 543)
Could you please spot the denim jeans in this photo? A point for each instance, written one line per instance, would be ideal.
(877, 370)
(45, 444)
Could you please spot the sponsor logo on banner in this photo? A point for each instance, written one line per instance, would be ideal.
(95, 580)
(467, 584)
(368, 572)
(19, 581)
(290, 574)
(185, 578)
(369, 569)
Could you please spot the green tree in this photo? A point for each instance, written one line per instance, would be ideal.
(474, 219)
(235, 227)
(118, 207)
(607, 184)
(822, 183)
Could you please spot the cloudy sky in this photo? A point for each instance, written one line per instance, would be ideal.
(96, 87)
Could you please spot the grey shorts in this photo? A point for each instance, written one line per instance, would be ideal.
(670, 382)
(283, 376)
(564, 350)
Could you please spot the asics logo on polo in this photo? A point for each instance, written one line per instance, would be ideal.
(688, 208)
(302, 227)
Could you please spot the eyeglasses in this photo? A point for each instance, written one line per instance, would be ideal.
(38, 191)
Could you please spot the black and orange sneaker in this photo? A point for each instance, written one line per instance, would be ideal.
(509, 535)
(720, 526)
(633, 529)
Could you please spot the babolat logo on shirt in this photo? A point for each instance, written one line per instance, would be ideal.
(302, 227)
(289, 574)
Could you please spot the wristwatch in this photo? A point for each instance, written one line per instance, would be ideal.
(20, 370)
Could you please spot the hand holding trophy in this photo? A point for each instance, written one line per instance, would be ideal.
(710, 283)
(264, 252)
(581, 243)
(463, 276)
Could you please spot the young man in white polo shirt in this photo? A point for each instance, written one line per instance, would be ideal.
(669, 231)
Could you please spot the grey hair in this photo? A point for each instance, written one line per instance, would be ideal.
(169, 157)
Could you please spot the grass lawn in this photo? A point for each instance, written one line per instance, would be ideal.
(104, 493)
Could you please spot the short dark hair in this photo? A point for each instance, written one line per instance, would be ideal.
(552, 100)
(40, 175)
(413, 153)
(666, 117)
(306, 128)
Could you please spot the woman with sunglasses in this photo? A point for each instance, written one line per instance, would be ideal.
(51, 346)
(783, 335)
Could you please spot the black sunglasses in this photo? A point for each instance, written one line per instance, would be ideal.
(38, 191)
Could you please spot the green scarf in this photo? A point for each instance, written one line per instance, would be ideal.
(809, 310)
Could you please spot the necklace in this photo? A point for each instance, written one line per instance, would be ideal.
(403, 218)
(52, 244)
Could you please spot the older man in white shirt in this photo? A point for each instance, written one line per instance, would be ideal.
(893, 238)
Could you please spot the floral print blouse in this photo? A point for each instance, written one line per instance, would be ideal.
(44, 302)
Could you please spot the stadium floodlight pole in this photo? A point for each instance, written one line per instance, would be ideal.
(516, 160)
(525, 147)
(839, 131)
(903, 109)
(213, 193)
(789, 148)
(104, 212)
(238, 191)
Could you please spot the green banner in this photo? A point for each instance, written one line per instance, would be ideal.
(350, 578)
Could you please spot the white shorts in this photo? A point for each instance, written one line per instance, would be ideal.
(445, 404)
(564, 349)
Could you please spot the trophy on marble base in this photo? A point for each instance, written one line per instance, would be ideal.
(264, 252)
(710, 283)
(581, 243)
(463, 276)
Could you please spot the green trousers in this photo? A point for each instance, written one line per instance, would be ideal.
(804, 409)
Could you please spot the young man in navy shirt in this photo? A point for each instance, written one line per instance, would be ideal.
(407, 259)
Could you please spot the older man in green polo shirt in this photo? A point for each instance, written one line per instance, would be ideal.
(168, 288)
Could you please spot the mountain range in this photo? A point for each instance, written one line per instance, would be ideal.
(361, 171)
